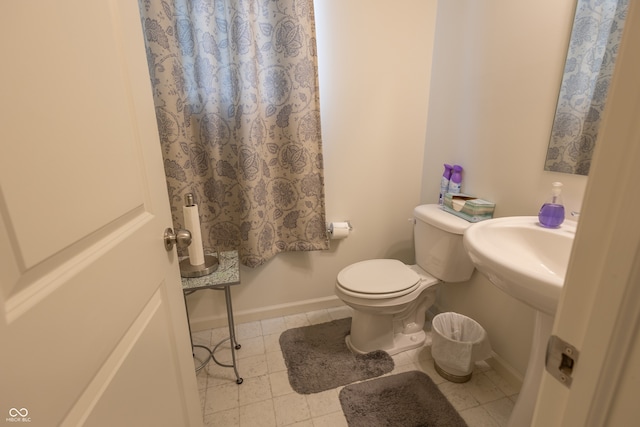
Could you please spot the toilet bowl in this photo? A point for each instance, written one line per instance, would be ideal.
(390, 299)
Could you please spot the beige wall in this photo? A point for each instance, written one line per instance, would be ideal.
(496, 73)
(490, 93)
(374, 64)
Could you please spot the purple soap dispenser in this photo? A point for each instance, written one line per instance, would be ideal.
(551, 214)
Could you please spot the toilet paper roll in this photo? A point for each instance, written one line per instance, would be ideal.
(339, 230)
(192, 223)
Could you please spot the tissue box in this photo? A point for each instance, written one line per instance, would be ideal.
(468, 207)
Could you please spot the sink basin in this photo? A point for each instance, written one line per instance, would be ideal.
(524, 259)
(528, 262)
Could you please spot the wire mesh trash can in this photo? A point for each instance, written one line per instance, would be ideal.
(458, 342)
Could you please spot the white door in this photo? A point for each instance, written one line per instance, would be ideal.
(92, 321)
(599, 311)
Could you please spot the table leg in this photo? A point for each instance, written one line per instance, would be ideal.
(232, 335)
(193, 346)
(232, 332)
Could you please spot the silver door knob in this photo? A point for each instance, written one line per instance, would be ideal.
(180, 237)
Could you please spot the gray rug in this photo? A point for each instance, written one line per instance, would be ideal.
(409, 399)
(318, 359)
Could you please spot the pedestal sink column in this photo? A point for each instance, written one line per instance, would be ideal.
(523, 410)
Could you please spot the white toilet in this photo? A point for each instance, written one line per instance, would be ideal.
(390, 298)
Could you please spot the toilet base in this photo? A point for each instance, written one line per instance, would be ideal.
(401, 342)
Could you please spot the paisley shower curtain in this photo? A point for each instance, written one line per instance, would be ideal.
(237, 103)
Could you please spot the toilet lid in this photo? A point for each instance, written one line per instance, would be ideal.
(378, 276)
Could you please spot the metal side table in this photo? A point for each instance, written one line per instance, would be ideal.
(227, 275)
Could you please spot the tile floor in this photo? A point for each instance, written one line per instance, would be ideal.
(265, 398)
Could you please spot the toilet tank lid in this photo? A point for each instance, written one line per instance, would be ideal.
(436, 216)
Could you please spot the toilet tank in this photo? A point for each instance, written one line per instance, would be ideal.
(438, 244)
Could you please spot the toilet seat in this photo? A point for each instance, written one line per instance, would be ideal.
(378, 279)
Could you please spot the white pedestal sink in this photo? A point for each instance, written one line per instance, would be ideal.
(528, 262)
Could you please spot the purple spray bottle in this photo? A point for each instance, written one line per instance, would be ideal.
(444, 182)
(456, 180)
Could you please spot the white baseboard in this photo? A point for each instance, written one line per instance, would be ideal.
(262, 313)
(505, 370)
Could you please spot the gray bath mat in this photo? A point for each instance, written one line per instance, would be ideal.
(409, 399)
(318, 359)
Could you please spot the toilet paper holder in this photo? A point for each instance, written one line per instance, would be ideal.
(339, 230)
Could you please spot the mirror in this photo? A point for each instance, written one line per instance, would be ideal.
(595, 37)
